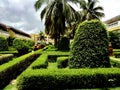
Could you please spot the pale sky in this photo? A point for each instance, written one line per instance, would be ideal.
(21, 14)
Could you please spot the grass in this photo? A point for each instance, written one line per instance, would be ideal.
(52, 65)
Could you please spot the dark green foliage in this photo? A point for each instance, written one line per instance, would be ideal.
(23, 46)
(60, 79)
(64, 44)
(3, 44)
(12, 69)
(5, 58)
(40, 62)
(90, 46)
(114, 39)
(115, 62)
(10, 40)
(62, 62)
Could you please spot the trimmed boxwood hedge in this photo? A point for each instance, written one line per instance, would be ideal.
(52, 55)
(59, 79)
(62, 62)
(40, 62)
(90, 46)
(5, 58)
(3, 44)
(115, 62)
(12, 69)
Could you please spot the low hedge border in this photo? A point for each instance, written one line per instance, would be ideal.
(10, 70)
(60, 79)
(8, 52)
(5, 58)
(115, 62)
(40, 62)
(52, 55)
(62, 62)
(116, 54)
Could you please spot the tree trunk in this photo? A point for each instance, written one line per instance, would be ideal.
(55, 42)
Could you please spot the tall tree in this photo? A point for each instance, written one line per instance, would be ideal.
(90, 10)
(57, 14)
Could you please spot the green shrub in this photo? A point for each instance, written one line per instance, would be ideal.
(23, 46)
(64, 44)
(52, 55)
(10, 40)
(114, 39)
(40, 62)
(8, 52)
(30, 44)
(10, 70)
(90, 46)
(62, 62)
(5, 58)
(50, 48)
(60, 79)
(3, 44)
(115, 62)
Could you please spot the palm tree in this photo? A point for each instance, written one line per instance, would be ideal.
(58, 14)
(90, 10)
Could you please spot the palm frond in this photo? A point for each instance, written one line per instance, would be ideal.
(100, 14)
(43, 12)
(83, 4)
(71, 14)
(92, 4)
(39, 3)
(98, 8)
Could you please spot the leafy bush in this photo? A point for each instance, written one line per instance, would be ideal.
(40, 62)
(23, 46)
(5, 58)
(62, 62)
(3, 44)
(115, 62)
(12, 69)
(114, 39)
(64, 44)
(90, 46)
(50, 48)
(60, 79)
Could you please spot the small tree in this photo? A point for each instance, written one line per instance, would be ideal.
(64, 44)
(90, 46)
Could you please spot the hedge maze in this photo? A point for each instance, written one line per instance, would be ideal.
(38, 76)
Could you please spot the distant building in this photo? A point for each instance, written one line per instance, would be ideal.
(113, 24)
(35, 37)
(7, 31)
